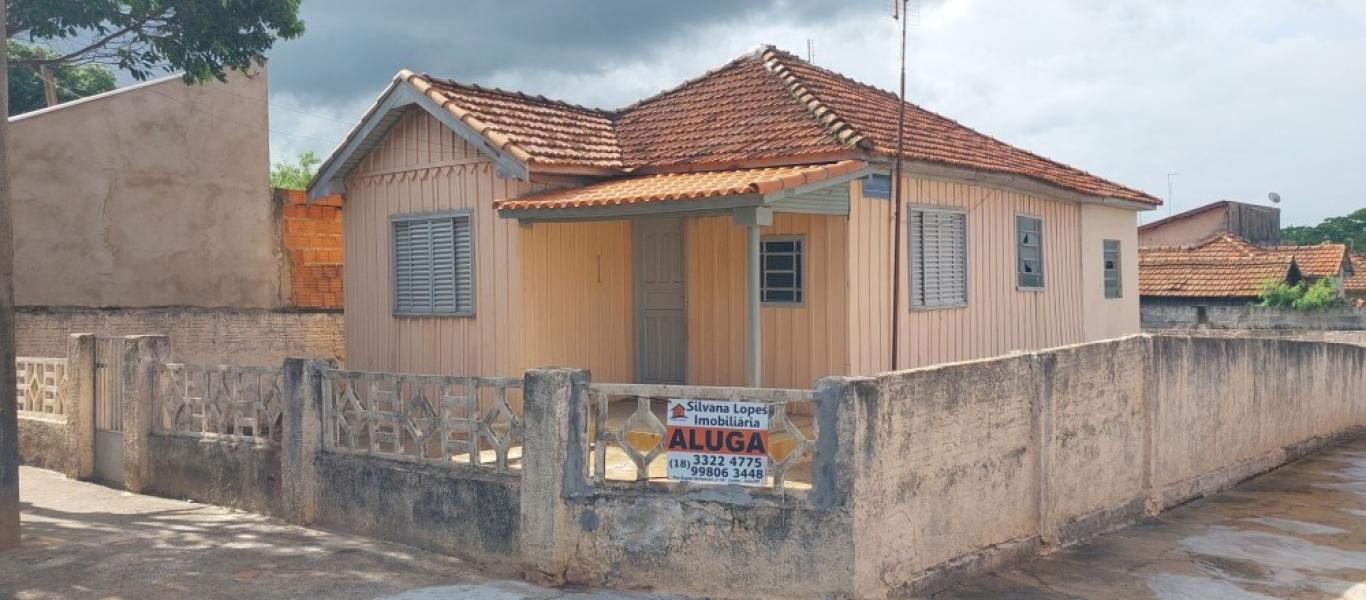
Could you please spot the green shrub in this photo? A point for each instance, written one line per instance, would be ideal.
(1279, 294)
(1321, 295)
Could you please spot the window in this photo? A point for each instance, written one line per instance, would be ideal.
(939, 258)
(433, 264)
(1110, 253)
(780, 260)
(1029, 252)
(877, 186)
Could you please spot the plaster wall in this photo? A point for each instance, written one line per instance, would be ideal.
(1108, 318)
(241, 475)
(185, 219)
(1157, 316)
(44, 442)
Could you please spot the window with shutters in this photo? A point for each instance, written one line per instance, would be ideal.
(433, 264)
(1110, 254)
(1028, 252)
(938, 257)
(780, 258)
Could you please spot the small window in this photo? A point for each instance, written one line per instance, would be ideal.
(433, 265)
(1029, 252)
(780, 257)
(877, 186)
(1110, 252)
(939, 258)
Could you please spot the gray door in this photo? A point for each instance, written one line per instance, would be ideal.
(661, 318)
(109, 407)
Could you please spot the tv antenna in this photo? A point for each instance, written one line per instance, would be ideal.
(1274, 198)
(811, 51)
(1169, 192)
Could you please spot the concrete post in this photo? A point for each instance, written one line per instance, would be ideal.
(302, 438)
(78, 404)
(840, 402)
(142, 359)
(553, 467)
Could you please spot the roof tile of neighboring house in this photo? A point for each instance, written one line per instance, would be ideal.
(766, 107)
(1357, 282)
(683, 186)
(1232, 264)
(1212, 277)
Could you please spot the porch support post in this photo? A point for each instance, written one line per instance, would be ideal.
(752, 218)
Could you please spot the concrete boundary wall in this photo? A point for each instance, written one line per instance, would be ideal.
(967, 468)
(1217, 317)
(920, 477)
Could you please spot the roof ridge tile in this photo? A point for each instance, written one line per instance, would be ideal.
(842, 130)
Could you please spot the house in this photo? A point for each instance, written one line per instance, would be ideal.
(734, 230)
(1355, 285)
(1230, 270)
(1256, 224)
(180, 236)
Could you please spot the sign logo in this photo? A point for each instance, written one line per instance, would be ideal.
(717, 441)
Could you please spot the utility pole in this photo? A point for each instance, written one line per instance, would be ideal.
(9, 417)
(897, 185)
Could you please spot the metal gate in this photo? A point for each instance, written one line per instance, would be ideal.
(109, 406)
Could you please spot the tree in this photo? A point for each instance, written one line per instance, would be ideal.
(1349, 229)
(295, 176)
(73, 81)
(202, 38)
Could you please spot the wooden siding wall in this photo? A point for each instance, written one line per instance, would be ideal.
(998, 317)
(578, 301)
(421, 166)
(800, 344)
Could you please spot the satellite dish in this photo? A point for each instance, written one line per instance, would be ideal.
(1274, 198)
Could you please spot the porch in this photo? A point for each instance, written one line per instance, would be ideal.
(714, 278)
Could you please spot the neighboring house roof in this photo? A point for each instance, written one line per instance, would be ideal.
(666, 187)
(1212, 277)
(1227, 265)
(762, 109)
(1356, 283)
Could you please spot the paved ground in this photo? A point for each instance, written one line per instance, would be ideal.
(87, 541)
(1298, 532)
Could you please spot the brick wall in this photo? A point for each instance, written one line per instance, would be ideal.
(312, 235)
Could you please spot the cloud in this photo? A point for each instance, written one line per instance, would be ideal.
(1240, 97)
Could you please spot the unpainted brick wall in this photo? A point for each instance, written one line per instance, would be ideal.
(312, 235)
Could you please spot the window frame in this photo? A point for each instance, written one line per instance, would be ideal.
(452, 215)
(1119, 269)
(910, 259)
(800, 278)
(1019, 259)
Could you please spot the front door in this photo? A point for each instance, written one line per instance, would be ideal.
(661, 317)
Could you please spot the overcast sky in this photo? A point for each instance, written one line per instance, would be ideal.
(1241, 97)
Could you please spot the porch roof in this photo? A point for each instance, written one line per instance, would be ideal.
(662, 188)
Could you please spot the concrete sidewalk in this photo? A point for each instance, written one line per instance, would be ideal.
(1298, 532)
(87, 541)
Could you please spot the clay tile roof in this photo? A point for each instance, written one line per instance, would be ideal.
(1357, 282)
(668, 187)
(1212, 277)
(931, 137)
(1320, 260)
(532, 128)
(766, 107)
(1232, 264)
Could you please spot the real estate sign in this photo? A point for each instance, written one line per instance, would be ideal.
(717, 441)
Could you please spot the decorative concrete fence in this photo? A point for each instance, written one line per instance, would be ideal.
(898, 484)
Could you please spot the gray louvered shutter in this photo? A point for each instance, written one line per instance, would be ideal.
(938, 247)
(433, 266)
